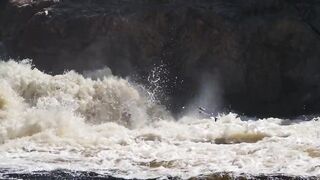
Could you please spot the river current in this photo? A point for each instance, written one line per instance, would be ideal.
(101, 123)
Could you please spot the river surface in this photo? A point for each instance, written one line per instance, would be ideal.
(106, 125)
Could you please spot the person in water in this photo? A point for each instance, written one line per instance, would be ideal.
(206, 113)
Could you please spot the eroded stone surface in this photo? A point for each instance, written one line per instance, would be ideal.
(263, 55)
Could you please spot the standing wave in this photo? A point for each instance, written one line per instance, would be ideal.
(32, 102)
(107, 125)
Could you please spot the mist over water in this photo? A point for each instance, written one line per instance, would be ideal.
(102, 123)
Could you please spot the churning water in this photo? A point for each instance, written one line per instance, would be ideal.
(110, 126)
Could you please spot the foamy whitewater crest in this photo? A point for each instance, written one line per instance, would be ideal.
(107, 126)
(33, 102)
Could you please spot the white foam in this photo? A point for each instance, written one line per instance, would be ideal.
(108, 126)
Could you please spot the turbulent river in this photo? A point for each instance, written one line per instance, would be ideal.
(110, 126)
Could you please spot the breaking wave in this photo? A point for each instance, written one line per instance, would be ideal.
(102, 123)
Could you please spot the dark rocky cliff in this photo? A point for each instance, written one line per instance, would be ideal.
(263, 55)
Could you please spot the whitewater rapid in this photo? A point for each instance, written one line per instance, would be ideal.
(108, 125)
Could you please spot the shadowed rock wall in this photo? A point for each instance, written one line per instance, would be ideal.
(264, 56)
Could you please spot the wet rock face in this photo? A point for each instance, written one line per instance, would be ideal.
(260, 57)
